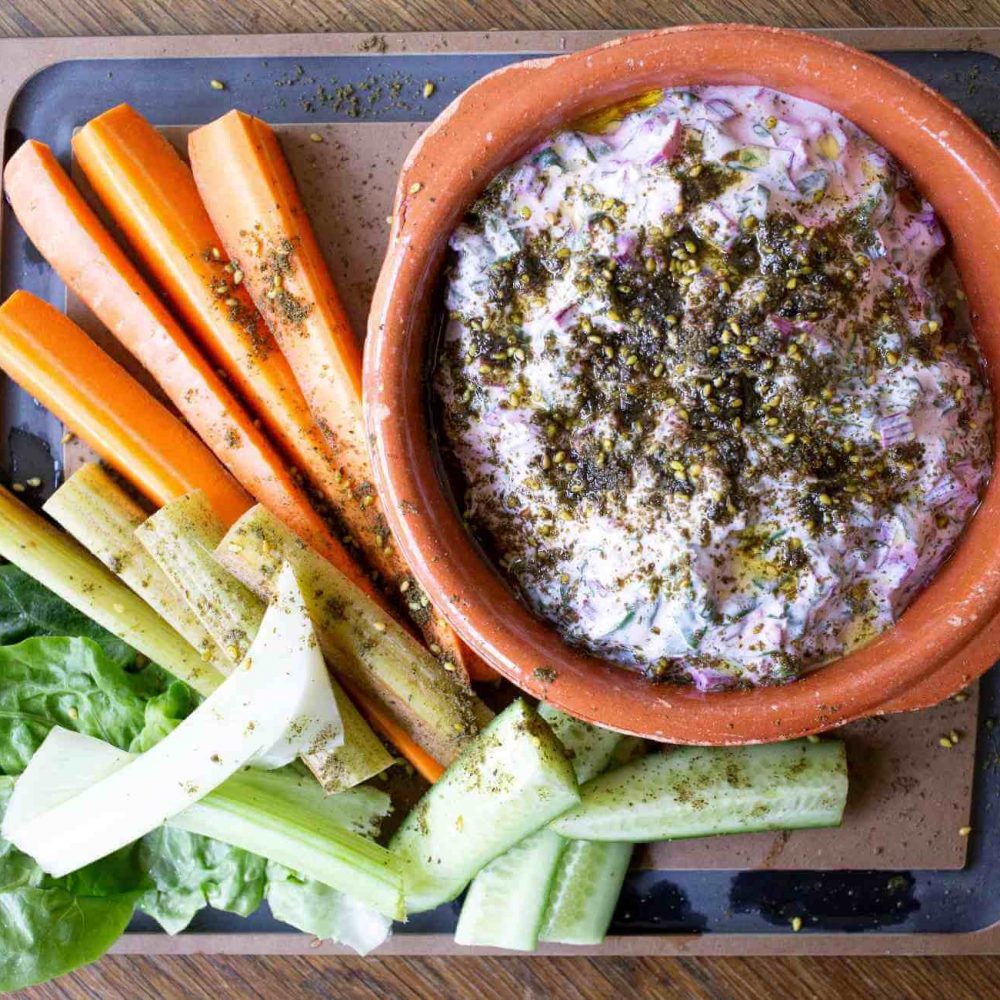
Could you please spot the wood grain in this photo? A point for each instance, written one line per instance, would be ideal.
(168, 17)
(307, 978)
(201, 978)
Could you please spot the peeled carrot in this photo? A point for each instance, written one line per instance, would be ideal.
(151, 195)
(71, 237)
(47, 354)
(252, 199)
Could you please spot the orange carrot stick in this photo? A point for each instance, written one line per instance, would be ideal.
(47, 354)
(151, 195)
(71, 237)
(252, 199)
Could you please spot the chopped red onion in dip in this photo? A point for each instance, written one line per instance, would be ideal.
(710, 392)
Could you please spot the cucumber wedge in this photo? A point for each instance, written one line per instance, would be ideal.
(510, 781)
(590, 749)
(506, 901)
(584, 892)
(700, 791)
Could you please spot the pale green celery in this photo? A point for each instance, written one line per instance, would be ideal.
(361, 808)
(58, 562)
(510, 782)
(102, 516)
(362, 641)
(291, 833)
(182, 537)
(260, 812)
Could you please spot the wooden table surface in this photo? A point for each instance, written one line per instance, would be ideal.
(164, 978)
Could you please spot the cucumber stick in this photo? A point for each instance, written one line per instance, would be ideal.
(700, 791)
(584, 891)
(511, 780)
(507, 900)
(102, 516)
(590, 749)
(182, 537)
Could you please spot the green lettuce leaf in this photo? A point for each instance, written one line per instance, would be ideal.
(28, 609)
(51, 926)
(191, 872)
(316, 909)
(59, 668)
(71, 682)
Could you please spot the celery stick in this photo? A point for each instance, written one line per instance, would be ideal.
(58, 562)
(102, 516)
(278, 703)
(301, 839)
(509, 782)
(255, 810)
(360, 639)
(507, 900)
(701, 791)
(182, 537)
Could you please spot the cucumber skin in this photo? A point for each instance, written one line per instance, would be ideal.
(681, 793)
(510, 781)
(506, 903)
(585, 891)
(591, 749)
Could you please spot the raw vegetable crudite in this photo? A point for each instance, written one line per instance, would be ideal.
(415, 698)
(69, 570)
(181, 538)
(48, 355)
(102, 516)
(67, 232)
(65, 670)
(54, 359)
(510, 782)
(702, 791)
(150, 192)
(254, 203)
(508, 902)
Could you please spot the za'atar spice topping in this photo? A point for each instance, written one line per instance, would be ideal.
(712, 399)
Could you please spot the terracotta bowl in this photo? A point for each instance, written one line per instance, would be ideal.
(948, 636)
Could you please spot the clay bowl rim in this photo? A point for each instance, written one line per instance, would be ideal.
(498, 119)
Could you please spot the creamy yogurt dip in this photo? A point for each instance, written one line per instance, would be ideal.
(710, 403)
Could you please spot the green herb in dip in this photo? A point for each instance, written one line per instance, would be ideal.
(714, 411)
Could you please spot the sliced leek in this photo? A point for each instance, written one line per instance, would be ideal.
(58, 562)
(102, 516)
